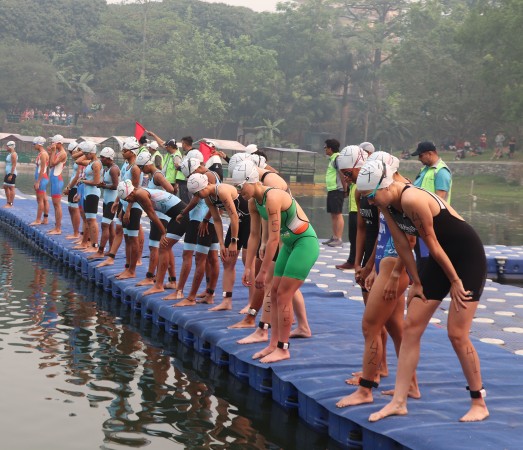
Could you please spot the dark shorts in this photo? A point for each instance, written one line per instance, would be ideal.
(91, 204)
(10, 179)
(108, 216)
(155, 234)
(176, 230)
(205, 243)
(191, 235)
(243, 233)
(72, 193)
(335, 201)
(134, 221)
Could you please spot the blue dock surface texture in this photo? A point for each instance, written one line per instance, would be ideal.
(313, 380)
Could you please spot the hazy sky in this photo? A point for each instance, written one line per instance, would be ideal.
(256, 5)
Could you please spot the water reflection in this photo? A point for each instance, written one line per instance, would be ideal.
(128, 387)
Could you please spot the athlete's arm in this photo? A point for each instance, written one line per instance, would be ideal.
(158, 176)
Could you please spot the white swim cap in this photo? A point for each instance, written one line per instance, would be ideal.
(351, 157)
(367, 147)
(125, 187)
(245, 172)
(197, 154)
(143, 159)
(87, 147)
(251, 148)
(39, 140)
(259, 160)
(153, 145)
(196, 182)
(374, 174)
(11, 144)
(107, 152)
(57, 138)
(236, 159)
(349, 149)
(188, 166)
(387, 159)
(131, 143)
(72, 146)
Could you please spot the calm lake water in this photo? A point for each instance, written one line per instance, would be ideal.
(79, 372)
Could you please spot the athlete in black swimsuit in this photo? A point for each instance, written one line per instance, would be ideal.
(457, 264)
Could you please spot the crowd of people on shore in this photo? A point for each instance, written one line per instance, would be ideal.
(184, 195)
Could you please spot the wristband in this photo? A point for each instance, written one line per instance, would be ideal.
(234, 239)
(206, 220)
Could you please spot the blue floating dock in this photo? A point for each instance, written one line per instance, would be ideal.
(313, 380)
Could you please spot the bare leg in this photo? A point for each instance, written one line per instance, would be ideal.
(229, 275)
(153, 263)
(281, 295)
(303, 330)
(162, 268)
(185, 271)
(57, 205)
(418, 316)
(459, 323)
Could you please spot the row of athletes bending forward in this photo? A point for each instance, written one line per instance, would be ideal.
(280, 247)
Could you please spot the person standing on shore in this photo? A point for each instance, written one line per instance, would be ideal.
(10, 174)
(41, 181)
(435, 177)
(336, 192)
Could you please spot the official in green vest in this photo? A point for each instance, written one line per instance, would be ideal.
(156, 156)
(435, 177)
(336, 193)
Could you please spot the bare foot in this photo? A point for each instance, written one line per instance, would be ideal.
(174, 296)
(223, 306)
(139, 262)
(477, 412)
(247, 322)
(359, 397)
(414, 392)
(96, 255)
(51, 231)
(107, 262)
(389, 410)
(258, 336)
(55, 232)
(126, 275)
(36, 222)
(277, 355)
(170, 285)
(208, 299)
(264, 352)
(153, 290)
(300, 333)
(185, 302)
(245, 309)
(72, 236)
(91, 250)
(7, 205)
(146, 282)
(45, 221)
(201, 294)
(80, 247)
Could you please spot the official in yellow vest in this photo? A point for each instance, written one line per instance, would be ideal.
(336, 193)
(435, 177)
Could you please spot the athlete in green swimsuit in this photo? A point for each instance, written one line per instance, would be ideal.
(298, 254)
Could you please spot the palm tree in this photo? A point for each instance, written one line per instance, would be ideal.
(77, 85)
(268, 133)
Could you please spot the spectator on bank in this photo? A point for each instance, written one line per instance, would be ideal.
(511, 147)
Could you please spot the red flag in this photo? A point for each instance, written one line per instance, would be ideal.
(139, 130)
(206, 150)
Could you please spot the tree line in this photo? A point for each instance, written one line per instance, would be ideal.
(389, 71)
